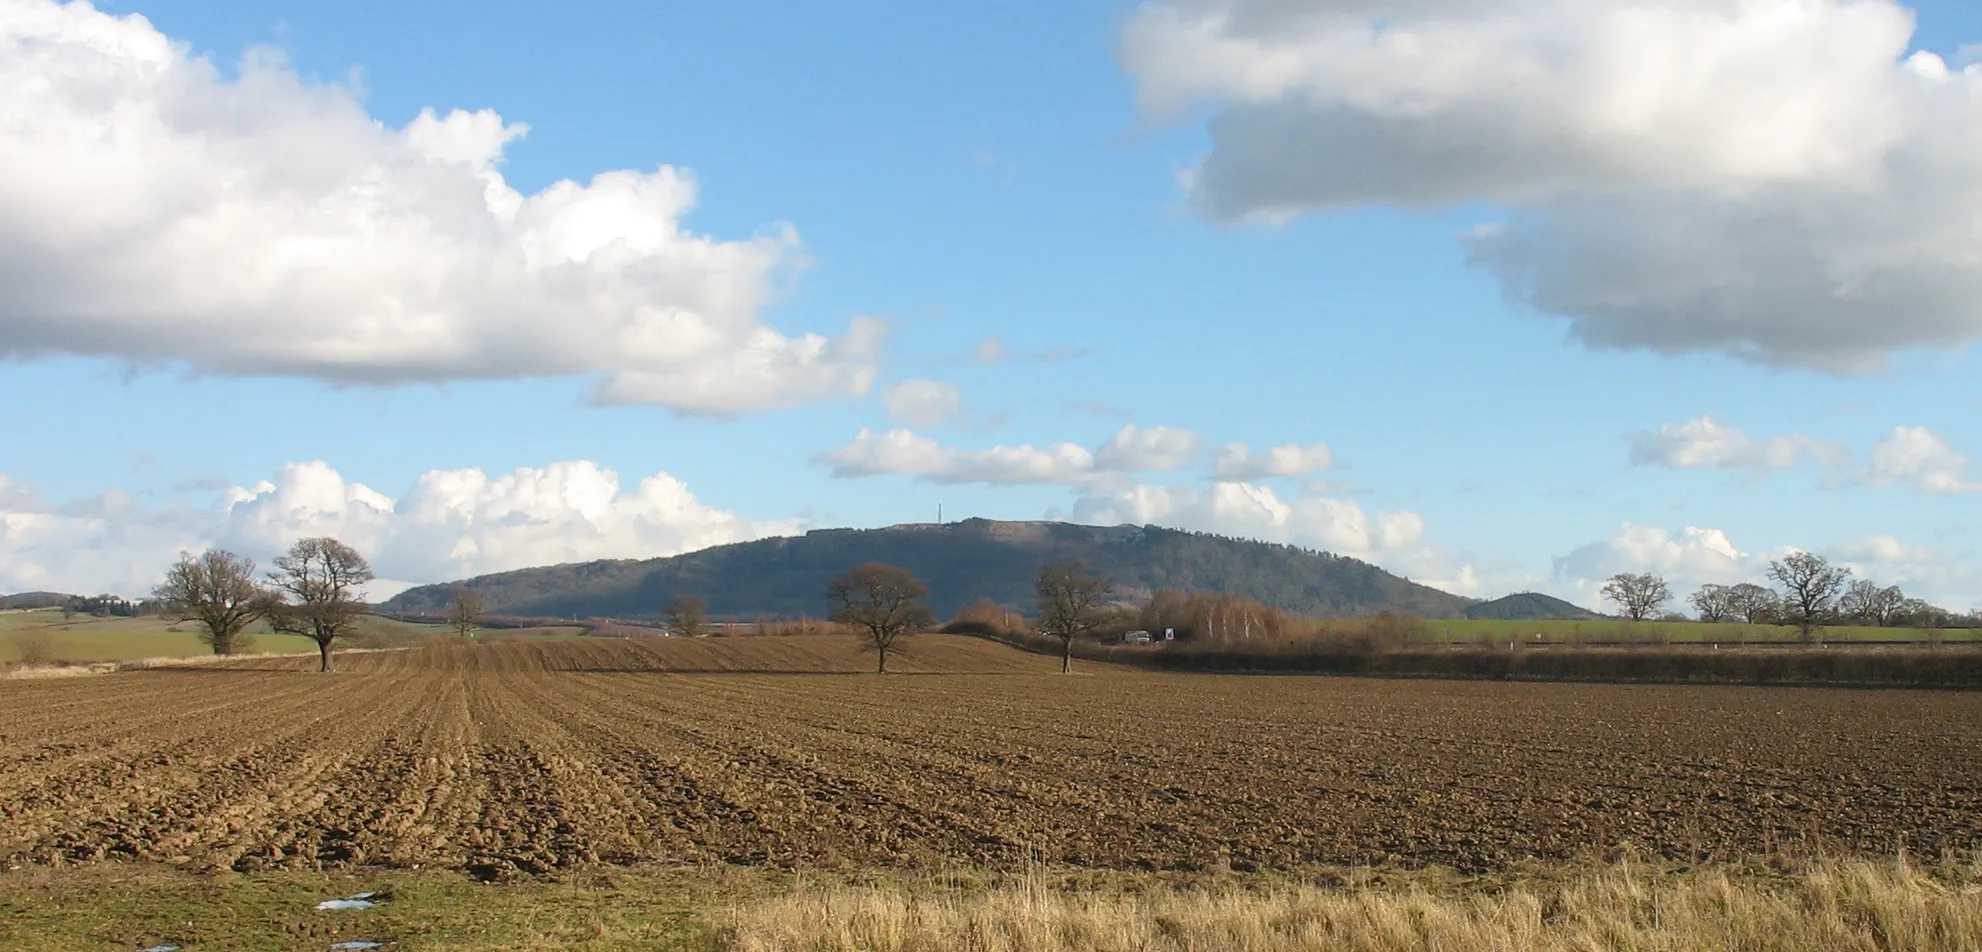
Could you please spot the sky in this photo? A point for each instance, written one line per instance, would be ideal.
(1499, 296)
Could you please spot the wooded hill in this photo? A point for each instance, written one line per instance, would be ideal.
(1529, 605)
(960, 561)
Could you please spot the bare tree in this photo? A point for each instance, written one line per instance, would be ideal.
(883, 600)
(1714, 603)
(318, 591)
(1889, 607)
(216, 588)
(1864, 601)
(688, 616)
(1916, 613)
(1639, 594)
(1069, 605)
(1810, 589)
(465, 611)
(1754, 604)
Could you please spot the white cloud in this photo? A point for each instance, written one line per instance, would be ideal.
(1706, 443)
(1779, 180)
(449, 524)
(1697, 556)
(922, 403)
(1393, 540)
(1694, 553)
(1920, 457)
(901, 452)
(1694, 557)
(1238, 462)
(154, 211)
(1951, 583)
(1133, 449)
(1257, 512)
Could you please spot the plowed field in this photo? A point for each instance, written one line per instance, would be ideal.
(528, 757)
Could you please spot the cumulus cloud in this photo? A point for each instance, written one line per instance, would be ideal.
(907, 453)
(153, 210)
(1706, 443)
(1133, 449)
(1696, 556)
(1950, 582)
(1236, 462)
(448, 524)
(1921, 458)
(922, 403)
(1779, 180)
(903, 452)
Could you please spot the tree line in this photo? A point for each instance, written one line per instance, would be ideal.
(1810, 594)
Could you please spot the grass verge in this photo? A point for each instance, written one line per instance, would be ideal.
(1843, 905)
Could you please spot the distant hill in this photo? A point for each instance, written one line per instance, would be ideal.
(961, 562)
(35, 600)
(1528, 605)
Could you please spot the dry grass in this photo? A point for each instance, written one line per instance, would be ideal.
(23, 671)
(1837, 906)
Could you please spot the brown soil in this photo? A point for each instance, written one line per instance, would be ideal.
(525, 757)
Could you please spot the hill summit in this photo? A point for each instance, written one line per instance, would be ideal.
(960, 561)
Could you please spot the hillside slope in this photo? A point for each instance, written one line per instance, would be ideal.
(961, 562)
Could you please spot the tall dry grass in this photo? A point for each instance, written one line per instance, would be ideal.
(1838, 906)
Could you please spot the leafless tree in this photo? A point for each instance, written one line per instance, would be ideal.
(1714, 603)
(1069, 605)
(1754, 604)
(216, 588)
(1866, 602)
(1810, 589)
(688, 616)
(882, 600)
(1640, 595)
(465, 611)
(318, 591)
(1915, 612)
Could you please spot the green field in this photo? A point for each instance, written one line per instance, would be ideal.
(85, 638)
(1561, 631)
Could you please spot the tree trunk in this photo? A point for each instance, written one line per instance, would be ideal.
(323, 648)
(883, 668)
(1066, 655)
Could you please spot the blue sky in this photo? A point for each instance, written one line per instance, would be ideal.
(1068, 218)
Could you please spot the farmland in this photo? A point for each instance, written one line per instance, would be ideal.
(84, 638)
(528, 758)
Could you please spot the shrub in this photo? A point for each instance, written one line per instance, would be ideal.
(35, 647)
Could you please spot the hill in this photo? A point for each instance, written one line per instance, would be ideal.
(961, 562)
(1528, 605)
(35, 600)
